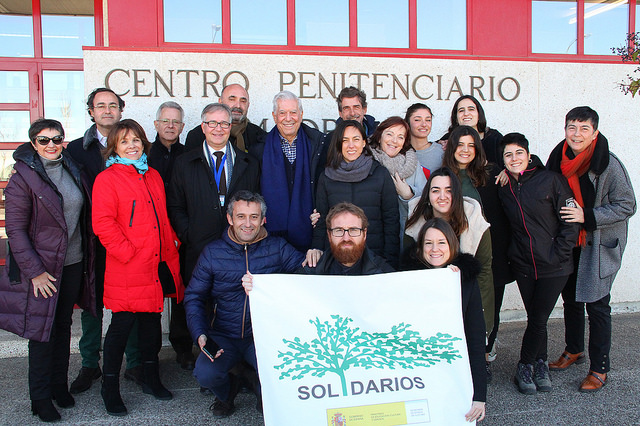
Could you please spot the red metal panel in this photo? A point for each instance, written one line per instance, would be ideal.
(413, 24)
(98, 22)
(353, 23)
(133, 23)
(580, 35)
(497, 30)
(291, 23)
(500, 28)
(226, 22)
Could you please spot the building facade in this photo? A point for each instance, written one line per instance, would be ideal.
(527, 61)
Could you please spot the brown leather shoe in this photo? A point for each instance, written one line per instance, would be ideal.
(566, 359)
(593, 382)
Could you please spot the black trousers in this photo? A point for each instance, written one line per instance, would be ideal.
(599, 313)
(179, 335)
(149, 338)
(49, 361)
(498, 292)
(539, 297)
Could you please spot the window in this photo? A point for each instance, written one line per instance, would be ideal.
(553, 27)
(442, 24)
(322, 24)
(605, 25)
(42, 76)
(16, 31)
(383, 23)
(263, 22)
(193, 21)
(64, 100)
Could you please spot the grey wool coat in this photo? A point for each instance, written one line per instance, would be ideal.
(606, 223)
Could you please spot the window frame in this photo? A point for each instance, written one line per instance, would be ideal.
(631, 5)
(291, 47)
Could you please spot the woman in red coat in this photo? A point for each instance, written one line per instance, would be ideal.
(130, 218)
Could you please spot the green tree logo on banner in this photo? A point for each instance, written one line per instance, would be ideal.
(339, 346)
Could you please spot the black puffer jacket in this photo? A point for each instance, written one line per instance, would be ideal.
(377, 196)
(472, 317)
(542, 243)
(193, 203)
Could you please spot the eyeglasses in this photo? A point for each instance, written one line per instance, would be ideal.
(213, 124)
(339, 232)
(166, 122)
(44, 140)
(105, 106)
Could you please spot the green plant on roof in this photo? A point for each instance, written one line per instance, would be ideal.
(339, 346)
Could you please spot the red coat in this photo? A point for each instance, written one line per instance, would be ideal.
(127, 208)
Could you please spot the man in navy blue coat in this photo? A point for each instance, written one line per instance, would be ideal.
(225, 336)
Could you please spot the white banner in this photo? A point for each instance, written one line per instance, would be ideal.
(383, 349)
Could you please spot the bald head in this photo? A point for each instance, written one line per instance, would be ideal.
(236, 98)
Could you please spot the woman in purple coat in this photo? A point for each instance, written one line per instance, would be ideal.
(50, 261)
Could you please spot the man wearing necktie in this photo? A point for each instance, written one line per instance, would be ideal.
(203, 180)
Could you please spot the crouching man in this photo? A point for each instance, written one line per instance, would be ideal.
(224, 333)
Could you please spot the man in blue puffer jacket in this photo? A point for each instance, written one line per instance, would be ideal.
(217, 282)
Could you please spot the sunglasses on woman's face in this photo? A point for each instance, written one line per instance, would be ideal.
(44, 140)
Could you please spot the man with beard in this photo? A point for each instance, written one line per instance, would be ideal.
(244, 134)
(347, 232)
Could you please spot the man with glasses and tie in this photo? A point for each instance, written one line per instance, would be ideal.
(347, 232)
(202, 182)
(244, 134)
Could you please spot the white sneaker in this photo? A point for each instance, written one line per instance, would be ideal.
(493, 354)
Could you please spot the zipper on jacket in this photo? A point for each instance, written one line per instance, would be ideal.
(159, 230)
(133, 208)
(524, 224)
(244, 308)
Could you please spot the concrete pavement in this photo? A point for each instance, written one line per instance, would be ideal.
(618, 403)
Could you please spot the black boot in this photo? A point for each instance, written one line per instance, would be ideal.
(85, 379)
(44, 409)
(62, 396)
(152, 384)
(111, 395)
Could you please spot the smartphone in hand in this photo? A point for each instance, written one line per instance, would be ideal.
(211, 349)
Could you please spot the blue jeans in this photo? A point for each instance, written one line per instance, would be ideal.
(215, 375)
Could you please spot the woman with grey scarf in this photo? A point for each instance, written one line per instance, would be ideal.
(391, 147)
(353, 175)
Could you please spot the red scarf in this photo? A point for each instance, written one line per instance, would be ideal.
(572, 170)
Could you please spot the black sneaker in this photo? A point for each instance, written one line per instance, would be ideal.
(524, 379)
(135, 374)
(541, 376)
(489, 374)
(85, 379)
(222, 408)
(186, 360)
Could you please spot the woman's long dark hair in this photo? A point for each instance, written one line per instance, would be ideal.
(444, 227)
(482, 119)
(334, 157)
(457, 219)
(476, 169)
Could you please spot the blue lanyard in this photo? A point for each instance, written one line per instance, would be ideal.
(217, 174)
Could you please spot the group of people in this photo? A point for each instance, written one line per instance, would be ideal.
(116, 221)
